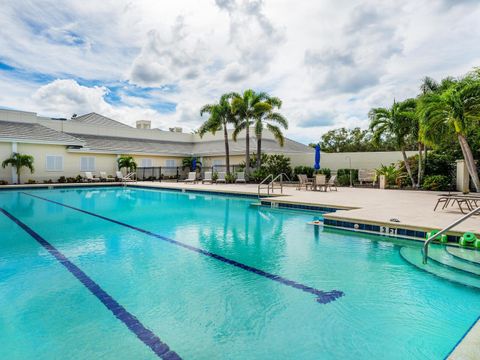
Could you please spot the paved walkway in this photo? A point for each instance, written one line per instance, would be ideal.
(413, 208)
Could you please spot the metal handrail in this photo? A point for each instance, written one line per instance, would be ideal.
(443, 231)
(128, 177)
(263, 182)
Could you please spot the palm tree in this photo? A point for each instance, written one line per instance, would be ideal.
(18, 161)
(266, 119)
(453, 110)
(126, 161)
(247, 107)
(220, 116)
(396, 122)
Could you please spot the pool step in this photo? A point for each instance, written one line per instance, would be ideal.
(442, 256)
(472, 256)
(414, 257)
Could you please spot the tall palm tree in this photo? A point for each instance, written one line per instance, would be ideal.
(127, 162)
(397, 122)
(454, 110)
(247, 107)
(220, 116)
(273, 121)
(18, 161)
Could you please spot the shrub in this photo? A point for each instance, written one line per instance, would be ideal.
(62, 179)
(49, 181)
(70, 180)
(214, 176)
(436, 182)
(391, 173)
(30, 181)
(307, 170)
(3, 182)
(343, 176)
(271, 164)
(324, 171)
(230, 178)
(79, 179)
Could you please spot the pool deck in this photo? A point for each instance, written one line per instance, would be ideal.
(414, 209)
(469, 347)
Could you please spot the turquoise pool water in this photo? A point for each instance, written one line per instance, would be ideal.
(124, 273)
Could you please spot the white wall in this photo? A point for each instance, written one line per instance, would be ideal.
(360, 160)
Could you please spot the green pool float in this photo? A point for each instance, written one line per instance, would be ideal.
(477, 244)
(443, 238)
(469, 239)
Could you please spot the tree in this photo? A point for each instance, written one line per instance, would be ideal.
(246, 108)
(454, 110)
(127, 162)
(18, 161)
(220, 116)
(396, 121)
(273, 121)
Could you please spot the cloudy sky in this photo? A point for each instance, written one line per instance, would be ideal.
(328, 60)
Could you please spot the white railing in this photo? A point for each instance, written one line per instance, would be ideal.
(443, 231)
(271, 185)
(129, 177)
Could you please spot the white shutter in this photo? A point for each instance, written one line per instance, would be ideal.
(54, 163)
(147, 163)
(87, 163)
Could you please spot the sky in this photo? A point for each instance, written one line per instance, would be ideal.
(329, 61)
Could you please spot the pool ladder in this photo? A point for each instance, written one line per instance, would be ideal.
(443, 231)
(129, 177)
(270, 186)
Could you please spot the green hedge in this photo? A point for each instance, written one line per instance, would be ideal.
(343, 176)
(436, 183)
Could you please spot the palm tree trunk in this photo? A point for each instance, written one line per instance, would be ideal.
(227, 149)
(247, 150)
(259, 151)
(18, 175)
(469, 161)
(420, 164)
(407, 166)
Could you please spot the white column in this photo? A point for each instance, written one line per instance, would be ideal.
(14, 171)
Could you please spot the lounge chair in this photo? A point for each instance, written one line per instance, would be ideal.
(207, 177)
(303, 181)
(320, 182)
(104, 177)
(240, 177)
(332, 183)
(192, 177)
(221, 177)
(89, 177)
(366, 176)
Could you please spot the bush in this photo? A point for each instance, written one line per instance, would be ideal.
(307, 170)
(30, 181)
(324, 171)
(391, 173)
(436, 183)
(230, 178)
(271, 164)
(62, 179)
(343, 176)
(3, 182)
(49, 181)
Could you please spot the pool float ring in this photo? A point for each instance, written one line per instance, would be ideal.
(477, 243)
(468, 239)
(443, 238)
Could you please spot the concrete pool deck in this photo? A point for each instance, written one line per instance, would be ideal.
(414, 209)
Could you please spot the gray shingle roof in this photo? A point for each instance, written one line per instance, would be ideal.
(99, 120)
(217, 147)
(131, 145)
(35, 132)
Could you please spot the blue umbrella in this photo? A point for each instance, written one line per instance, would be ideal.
(316, 166)
(194, 164)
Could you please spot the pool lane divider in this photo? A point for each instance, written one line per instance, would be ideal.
(161, 349)
(322, 297)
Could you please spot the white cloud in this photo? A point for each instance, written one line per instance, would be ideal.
(329, 61)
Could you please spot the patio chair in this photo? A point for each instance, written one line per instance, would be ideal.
(240, 177)
(89, 177)
(332, 183)
(192, 177)
(104, 177)
(303, 181)
(207, 177)
(320, 182)
(221, 177)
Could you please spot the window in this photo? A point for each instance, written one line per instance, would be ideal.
(170, 163)
(147, 163)
(54, 163)
(87, 163)
(217, 162)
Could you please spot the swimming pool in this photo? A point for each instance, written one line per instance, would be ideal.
(134, 273)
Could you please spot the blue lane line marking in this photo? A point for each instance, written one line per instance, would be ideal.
(323, 297)
(133, 324)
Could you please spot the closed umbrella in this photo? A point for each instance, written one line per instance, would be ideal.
(316, 166)
(194, 164)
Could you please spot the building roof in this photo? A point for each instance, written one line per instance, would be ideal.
(35, 132)
(121, 145)
(99, 120)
